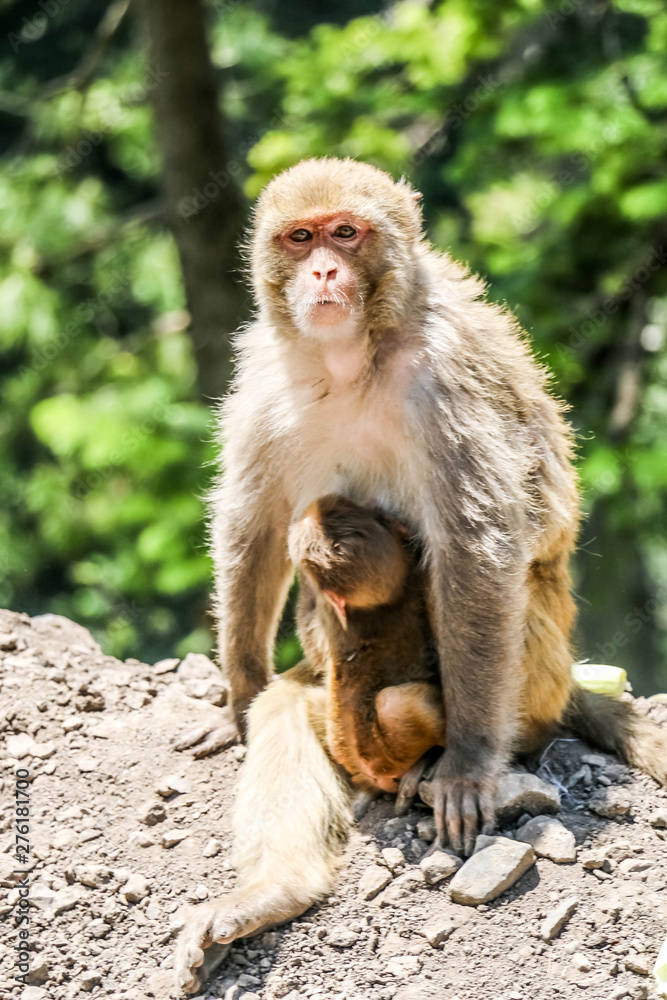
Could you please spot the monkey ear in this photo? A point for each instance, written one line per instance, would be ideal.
(338, 604)
(417, 196)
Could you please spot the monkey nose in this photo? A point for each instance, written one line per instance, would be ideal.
(329, 275)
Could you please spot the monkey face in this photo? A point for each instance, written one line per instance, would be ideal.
(326, 290)
(335, 241)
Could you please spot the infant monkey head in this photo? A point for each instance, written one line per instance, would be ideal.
(355, 556)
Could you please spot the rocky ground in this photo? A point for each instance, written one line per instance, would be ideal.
(126, 833)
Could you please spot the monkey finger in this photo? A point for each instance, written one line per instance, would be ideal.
(453, 818)
(187, 738)
(470, 821)
(487, 808)
(188, 959)
(439, 808)
(218, 739)
(409, 783)
(187, 982)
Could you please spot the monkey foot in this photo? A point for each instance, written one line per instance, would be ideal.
(205, 941)
(207, 738)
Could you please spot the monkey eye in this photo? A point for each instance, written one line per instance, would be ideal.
(301, 236)
(345, 232)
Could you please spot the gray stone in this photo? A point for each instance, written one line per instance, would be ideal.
(418, 848)
(42, 896)
(373, 881)
(520, 792)
(594, 858)
(425, 791)
(402, 966)
(140, 838)
(135, 889)
(65, 899)
(173, 783)
(439, 927)
(401, 888)
(33, 993)
(630, 866)
(196, 666)
(86, 763)
(39, 973)
(556, 920)
(152, 814)
(166, 666)
(171, 837)
(490, 871)
(393, 858)
(92, 875)
(342, 937)
(594, 759)
(549, 839)
(19, 746)
(88, 979)
(393, 944)
(98, 928)
(581, 962)
(609, 802)
(658, 819)
(639, 964)
(212, 848)
(439, 866)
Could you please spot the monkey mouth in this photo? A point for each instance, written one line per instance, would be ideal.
(328, 301)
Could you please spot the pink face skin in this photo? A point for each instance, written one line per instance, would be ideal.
(325, 290)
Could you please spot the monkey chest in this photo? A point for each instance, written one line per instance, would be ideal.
(356, 448)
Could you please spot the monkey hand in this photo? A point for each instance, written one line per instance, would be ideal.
(463, 801)
(205, 940)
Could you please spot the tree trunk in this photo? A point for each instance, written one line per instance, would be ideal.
(205, 208)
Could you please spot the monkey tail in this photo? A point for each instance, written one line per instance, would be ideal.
(292, 814)
(617, 727)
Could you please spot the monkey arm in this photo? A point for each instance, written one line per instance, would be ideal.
(249, 530)
(478, 622)
(477, 560)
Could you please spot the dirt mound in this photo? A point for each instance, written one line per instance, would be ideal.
(125, 832)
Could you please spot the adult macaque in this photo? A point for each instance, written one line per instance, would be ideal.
(376, 370)
(361, 609)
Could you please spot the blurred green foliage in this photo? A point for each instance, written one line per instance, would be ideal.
(537, 133)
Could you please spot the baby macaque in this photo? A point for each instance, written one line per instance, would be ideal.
(362, 607)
